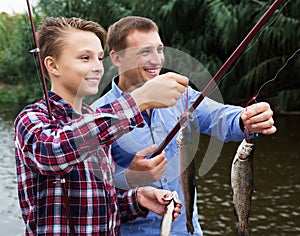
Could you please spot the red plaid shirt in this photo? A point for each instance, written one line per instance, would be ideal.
(75, 146)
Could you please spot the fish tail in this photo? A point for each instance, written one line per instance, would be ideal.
(190, 227)
(242, 231)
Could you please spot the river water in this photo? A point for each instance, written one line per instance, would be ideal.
(276, 201)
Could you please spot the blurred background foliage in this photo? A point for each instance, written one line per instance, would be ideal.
(208, 30)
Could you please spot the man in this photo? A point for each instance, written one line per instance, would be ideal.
(137, 51)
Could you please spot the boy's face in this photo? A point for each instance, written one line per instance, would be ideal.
(79, 66)
(143, 58)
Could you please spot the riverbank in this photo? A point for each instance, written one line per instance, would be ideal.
(9, 93)
(20, 93)
(286, 103)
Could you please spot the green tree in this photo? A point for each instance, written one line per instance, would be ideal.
(17, 66)
(210, 30)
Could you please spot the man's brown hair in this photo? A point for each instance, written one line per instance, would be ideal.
(117, 32)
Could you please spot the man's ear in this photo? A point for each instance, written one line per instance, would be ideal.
(115, 58)
(51, 66)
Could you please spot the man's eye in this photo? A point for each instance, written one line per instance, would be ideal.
(160, 50)
(85, 57)
(100, 58)
(145, 52)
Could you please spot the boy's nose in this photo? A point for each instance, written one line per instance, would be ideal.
(97, 68)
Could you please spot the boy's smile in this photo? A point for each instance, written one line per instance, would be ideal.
(79, 68)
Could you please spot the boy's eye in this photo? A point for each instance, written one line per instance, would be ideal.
(100, 58)
(85, 57)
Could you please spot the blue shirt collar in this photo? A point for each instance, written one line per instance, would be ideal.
(118, 93)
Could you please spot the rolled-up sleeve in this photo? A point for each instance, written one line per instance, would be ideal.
(129, 207)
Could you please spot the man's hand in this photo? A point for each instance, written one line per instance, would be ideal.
(154, 200)
(161, 91)
(143, 171)
(259, 118)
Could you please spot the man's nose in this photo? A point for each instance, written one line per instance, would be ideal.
(157, 58)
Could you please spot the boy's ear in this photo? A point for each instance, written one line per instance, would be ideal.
(51, 66)
(115, 58)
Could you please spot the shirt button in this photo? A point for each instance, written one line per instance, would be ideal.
(133, 123)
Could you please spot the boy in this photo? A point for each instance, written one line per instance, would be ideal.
(74, 144)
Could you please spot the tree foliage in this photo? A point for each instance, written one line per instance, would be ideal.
(208, 30)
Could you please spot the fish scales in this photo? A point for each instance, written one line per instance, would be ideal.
(242, 185)
(187, 173)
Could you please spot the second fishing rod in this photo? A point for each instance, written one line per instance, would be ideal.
(208, 88)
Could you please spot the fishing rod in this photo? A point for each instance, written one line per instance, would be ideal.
(43, 79)
(37, 51)
(219, 74)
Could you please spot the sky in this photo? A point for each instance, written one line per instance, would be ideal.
(15, 6)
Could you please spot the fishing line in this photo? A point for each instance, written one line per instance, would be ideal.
(280, 69)
(186, 116)
(253, 99)
(249, 48)
(28, 27)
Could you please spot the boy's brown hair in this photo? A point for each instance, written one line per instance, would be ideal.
(50, 34)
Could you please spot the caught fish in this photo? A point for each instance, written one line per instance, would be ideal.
(167, 220)
(242, 185)
(187, 173)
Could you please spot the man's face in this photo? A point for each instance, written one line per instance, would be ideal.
(143, 58)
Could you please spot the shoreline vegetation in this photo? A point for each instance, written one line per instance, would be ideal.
(210, 36)
(22, 94)
(9, 93)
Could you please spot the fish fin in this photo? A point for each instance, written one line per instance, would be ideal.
(235, 211)
(254, 187)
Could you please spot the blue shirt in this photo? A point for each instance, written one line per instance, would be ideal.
(213, 118)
